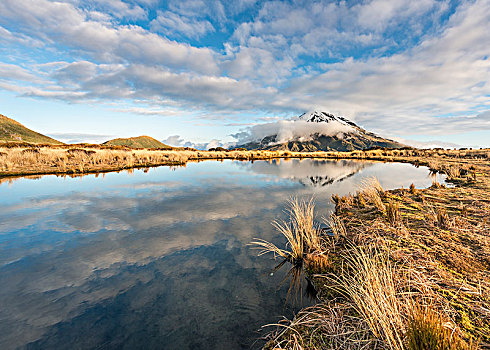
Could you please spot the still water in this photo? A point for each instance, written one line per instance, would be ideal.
(158, 259)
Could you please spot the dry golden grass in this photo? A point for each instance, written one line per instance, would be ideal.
(28, 159)
(405, 269)
(368, 281)
(80, 159)
(372, 191)
(392, 212)
(427, 330)
(374, 305)
(300, 232)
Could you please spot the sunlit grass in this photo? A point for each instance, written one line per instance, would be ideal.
(302, 235)
(426, 330)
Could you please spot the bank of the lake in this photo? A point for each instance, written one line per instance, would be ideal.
(19, 159)
(405, 268)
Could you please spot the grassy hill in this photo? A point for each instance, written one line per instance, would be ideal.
(12, 131)
(137, 142)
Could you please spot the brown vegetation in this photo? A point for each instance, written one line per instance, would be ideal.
(403, 269)
(21, 158)
(26, 159)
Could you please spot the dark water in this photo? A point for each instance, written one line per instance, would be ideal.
(158, 259)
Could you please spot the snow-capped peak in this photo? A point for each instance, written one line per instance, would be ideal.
(324, 117)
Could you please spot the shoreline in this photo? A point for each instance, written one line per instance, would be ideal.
(25, 160)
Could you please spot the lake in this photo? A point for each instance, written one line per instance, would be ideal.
(159, 258)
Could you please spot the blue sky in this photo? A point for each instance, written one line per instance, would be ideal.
(200, 70)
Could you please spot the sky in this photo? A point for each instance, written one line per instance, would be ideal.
(199, 71)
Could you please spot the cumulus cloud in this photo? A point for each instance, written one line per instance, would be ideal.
(80, 138)
(62, 23)
(397, 67)
(177, 141)
(167, 21)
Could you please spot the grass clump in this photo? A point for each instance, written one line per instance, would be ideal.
(300, 231)
(372, 190)
(368, 282)
(393, 213)
(442, 218)
(412, 189)
(426, 330)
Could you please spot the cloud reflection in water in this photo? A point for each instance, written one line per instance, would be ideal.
(157, 258)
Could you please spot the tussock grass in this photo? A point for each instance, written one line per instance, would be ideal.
(25, 159)
(368, 281)
(52, 159)
(337, 227)
(393, 212)
(412, 189)
(301, 233)
(442, 218)
(427, 288)
(372, 191)
(323, 326)
(381, 306)
(427, 330)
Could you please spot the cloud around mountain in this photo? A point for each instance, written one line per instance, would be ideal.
(293, 129)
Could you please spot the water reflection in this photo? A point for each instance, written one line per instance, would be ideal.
(316, 173)
(158, 258)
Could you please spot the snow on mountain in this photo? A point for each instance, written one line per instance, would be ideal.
(324, 117)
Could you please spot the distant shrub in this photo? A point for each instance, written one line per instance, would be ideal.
(442, 218)
(413, 190)
(80, 150)
(218, 149)
(30, 151)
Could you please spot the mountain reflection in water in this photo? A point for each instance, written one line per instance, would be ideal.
(318, 173)
(157, 259)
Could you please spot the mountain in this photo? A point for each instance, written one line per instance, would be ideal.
(12, 131)
(137, 142)
(328, 133)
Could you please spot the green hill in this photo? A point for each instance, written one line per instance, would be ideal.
(12, 131)
(137, 142)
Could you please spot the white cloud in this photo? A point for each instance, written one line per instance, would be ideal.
(65, 24)
(14, 72)
(174, 140)
(80, 138)
(118, 8)
(407, 75)
(173, 23)
(150, 111)
(177, 141)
